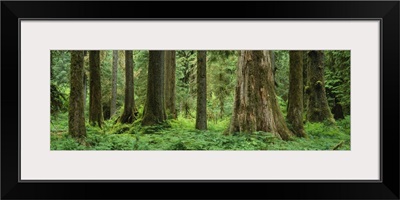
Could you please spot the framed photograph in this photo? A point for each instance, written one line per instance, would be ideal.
(204, 99)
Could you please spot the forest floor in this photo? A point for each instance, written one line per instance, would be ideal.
(180, 134)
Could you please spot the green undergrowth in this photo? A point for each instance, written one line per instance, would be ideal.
(180, 134)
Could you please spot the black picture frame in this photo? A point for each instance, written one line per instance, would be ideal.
(13, 11)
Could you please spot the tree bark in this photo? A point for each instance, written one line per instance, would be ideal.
(274, 68)
(201, 110)
(154, 110)
(129, 114)
(306, 82)
(95, 107)
(256, 106)
(113, 105)
(76, 117)
(295, 96)
(318, 108)
(84, 89)
(170, 93)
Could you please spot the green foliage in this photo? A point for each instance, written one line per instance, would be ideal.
(60, 65)
(282, 73)
(221, 76)
(337, 78)
(186, 62)
(140, 59)
(282, 105)
(180, 134)
(58, 101)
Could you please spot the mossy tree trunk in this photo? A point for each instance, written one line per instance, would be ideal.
(274, 68)
(95, 107)
(129, 114)
(337, 110)
(295, 96)
(113, 103)
(85, 82)
(76, 117)
(201, 110)
(154, 110)
(256, 106)
(85, 90)
(170, 93)
(318, 108)
(306, 90)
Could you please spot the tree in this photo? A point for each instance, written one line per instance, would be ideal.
(306, 90)
(337, 82)
(154, 110)
(295, 99)
(201, 110)
(56, 96)
(129, 114)
(318, 108)
(256, 105)
(169, 87)
(95, 107)
(85, 81)
(76, 121)
(113, 105)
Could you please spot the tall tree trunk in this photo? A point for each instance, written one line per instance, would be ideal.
(95, 107)
(76, 121)
(295, 96)
(318, 109)
(113, 105)
(256, 106)
(84, 89)
(129, 114)
(201, 110)
(274, 68)
(170, 68)
(154, 110)
(306, 81)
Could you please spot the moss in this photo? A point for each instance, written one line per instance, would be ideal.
(307, 89)
(318, 84)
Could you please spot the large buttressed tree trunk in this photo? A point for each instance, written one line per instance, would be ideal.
(318, 108)
(76, 121)
(113, 103)
(128, 116)
(170, 68)
(201, 110)
(256, 106)
(154, 110)
(295, 102)
(95, 107)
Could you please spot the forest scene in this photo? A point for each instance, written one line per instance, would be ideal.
(200, 100)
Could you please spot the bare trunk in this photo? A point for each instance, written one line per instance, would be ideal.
(170, 68)
(256, 106)
(295, 96)
(201, 112)
(318, 109)
(76, 121)
(113, 105)
(95, 107)
(129, 114)
(154, 111)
